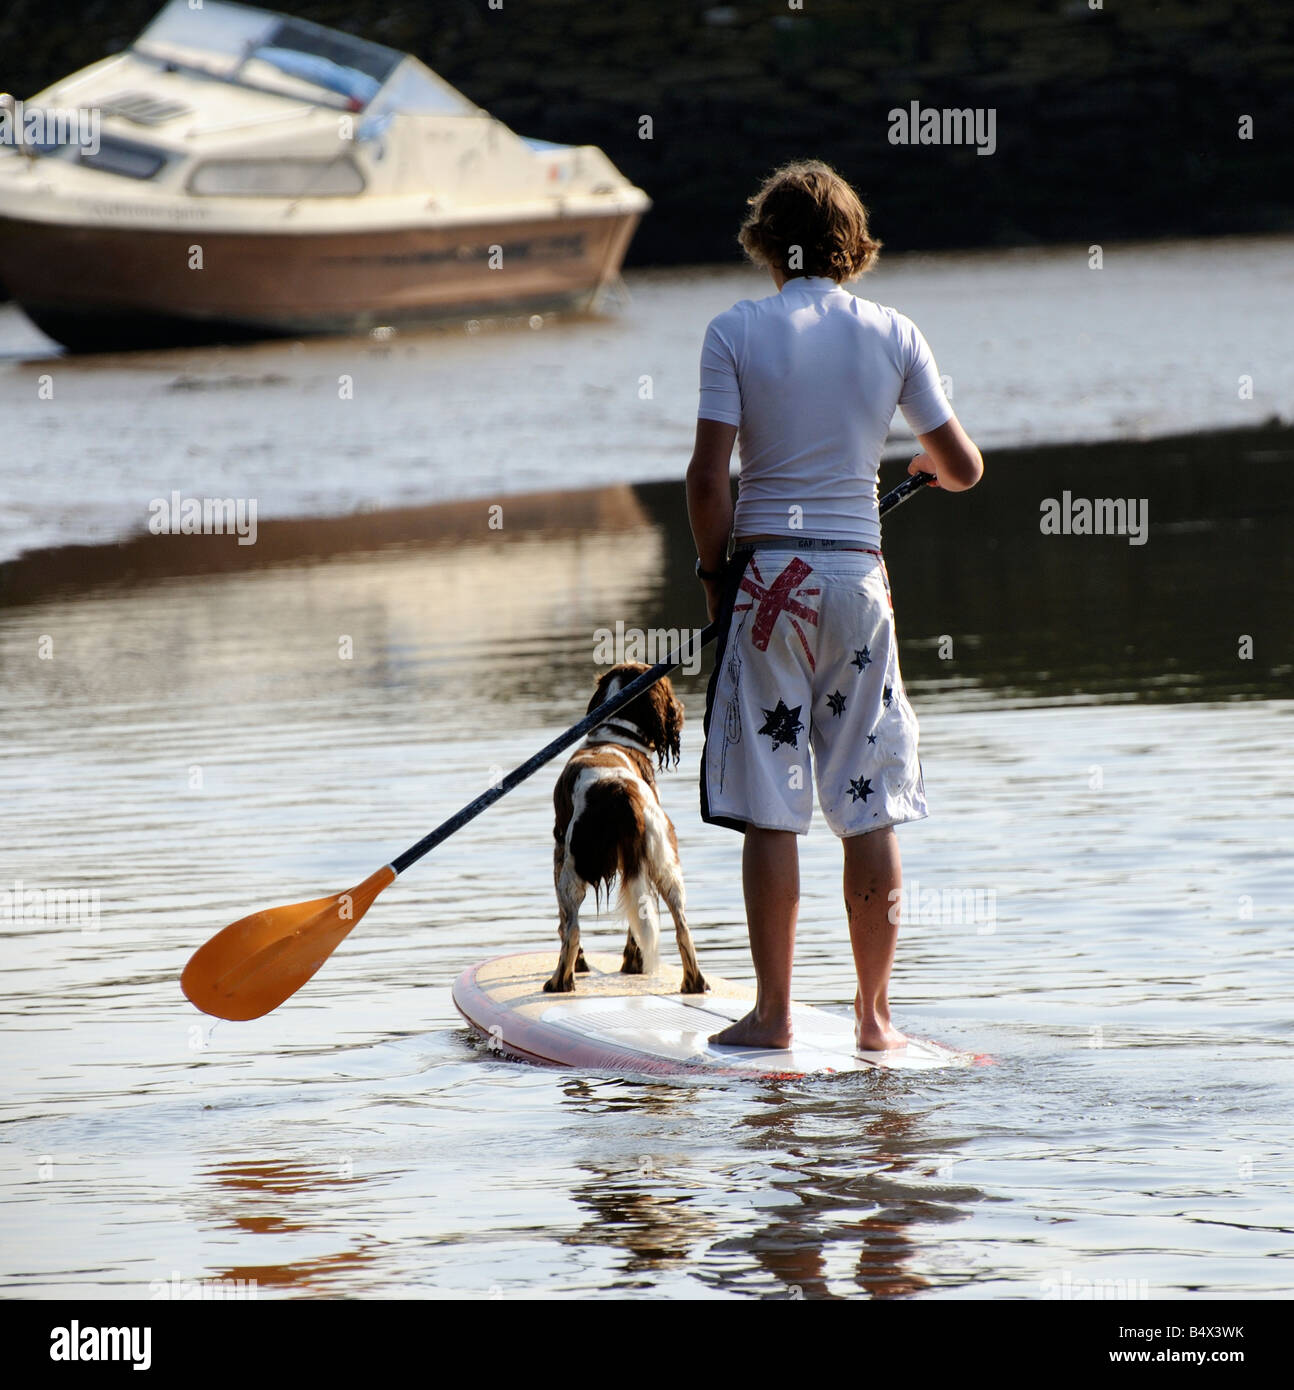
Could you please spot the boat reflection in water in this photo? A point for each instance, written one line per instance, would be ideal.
(252, 175)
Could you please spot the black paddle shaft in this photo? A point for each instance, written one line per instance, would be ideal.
(908, 488)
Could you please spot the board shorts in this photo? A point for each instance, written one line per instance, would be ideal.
(807, 661)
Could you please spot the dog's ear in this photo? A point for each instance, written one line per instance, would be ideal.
(599, 692)
(673, 723)
(673, 729)
(667, 723)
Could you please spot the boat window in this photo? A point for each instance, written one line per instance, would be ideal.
(214, 36)
(356, 86)
(124, 157)
(219, 38)
(345, 51)
(416, 89)
(277, 178)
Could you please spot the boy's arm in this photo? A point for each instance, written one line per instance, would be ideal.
(951, 455)
(709, 497)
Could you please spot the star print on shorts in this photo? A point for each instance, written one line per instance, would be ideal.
(836, 703)
(782, 725)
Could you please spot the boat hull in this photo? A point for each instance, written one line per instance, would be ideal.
(97, 287)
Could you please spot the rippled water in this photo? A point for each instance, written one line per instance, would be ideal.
(1037, 347)
(190, 733)
(196, 747)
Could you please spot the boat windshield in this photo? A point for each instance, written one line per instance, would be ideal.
(233, 41)
(418, 90)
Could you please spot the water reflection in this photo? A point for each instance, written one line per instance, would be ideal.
(850, 1203)
(987, 604)
(834, 1199)
(468, 650)
(1063, 616)
(276, 1199)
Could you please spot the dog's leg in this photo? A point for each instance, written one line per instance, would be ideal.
(669, 880)
(638, 902)
(559, 862)
(571, 889)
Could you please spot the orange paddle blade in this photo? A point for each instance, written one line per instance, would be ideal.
(255, 964)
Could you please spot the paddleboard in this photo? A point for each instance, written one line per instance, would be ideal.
(642, 1024)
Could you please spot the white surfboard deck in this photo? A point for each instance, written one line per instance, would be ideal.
(642, 1024)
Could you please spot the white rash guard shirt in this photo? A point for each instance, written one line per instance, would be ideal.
(812, 376)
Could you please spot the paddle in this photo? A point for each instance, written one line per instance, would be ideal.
(256, 963)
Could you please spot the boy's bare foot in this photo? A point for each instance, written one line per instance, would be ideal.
(878, 1039)
(753, 1031)
(873, 1031)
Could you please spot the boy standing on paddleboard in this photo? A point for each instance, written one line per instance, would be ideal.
(809, 379)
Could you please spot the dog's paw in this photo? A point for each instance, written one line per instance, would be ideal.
(633, 958)
(559, 986)
(696, 985)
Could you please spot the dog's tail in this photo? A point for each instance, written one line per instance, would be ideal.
(638, 903)
(606, 839)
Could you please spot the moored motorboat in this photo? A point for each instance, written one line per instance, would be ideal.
(236, 174)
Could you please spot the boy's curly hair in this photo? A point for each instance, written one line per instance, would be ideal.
(806, 220)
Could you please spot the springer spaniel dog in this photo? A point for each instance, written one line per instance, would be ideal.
(609, 823)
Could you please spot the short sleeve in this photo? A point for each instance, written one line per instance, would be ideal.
(922, 400)
(720, 389)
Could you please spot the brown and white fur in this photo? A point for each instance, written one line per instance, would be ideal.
(609, 823)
